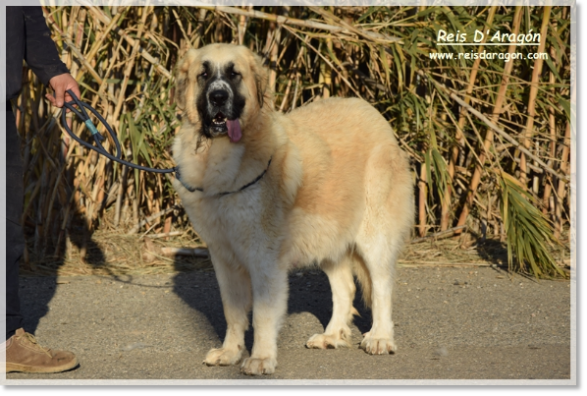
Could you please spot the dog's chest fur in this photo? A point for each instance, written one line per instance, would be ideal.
(242, 221)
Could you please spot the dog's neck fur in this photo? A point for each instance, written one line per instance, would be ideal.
(218, 165)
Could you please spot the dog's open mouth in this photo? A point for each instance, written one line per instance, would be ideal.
(221, 124)
(219, 121)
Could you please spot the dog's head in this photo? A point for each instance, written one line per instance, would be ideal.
(220, 87)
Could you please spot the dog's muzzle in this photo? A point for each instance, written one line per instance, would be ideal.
(218, 110)
(220, 97)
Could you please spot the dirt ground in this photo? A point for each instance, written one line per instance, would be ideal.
(455, 318)
(107, 252)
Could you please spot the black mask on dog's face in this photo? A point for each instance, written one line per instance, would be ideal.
(220, 104)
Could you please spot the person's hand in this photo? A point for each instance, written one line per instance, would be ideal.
(60, 84)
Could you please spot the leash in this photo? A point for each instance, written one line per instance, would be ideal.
(98, 138)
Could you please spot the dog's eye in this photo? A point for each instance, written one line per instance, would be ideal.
(204, 74)
(234, 74)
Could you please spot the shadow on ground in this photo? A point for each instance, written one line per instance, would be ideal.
(34, 309)
(493, 251)
(309, 294)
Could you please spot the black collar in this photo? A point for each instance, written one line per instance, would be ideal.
(194, 189)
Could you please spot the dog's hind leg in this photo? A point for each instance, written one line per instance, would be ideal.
(337, 333)
(235, 289)
(270, 289)
(387, 221)
(379, 255)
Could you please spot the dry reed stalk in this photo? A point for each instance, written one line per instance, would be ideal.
(446, 202)
(97, 191)
(46, 210)
(79, 28)
(56, 185)
(82, 181)
(167, 226)
(185, 35)
(130, 64)
(156, 216)
(134, 204)
(271, 43)
(475, 180)
(111, 195)
(534, 92)
(112, 102)
(69, 27)
(74, 30)
(165, 235)
(242, 27)
(505, 135)
(120, 195)
(115, 116)
(275, 52)
(561, 190)
(200, 29)
(294, 67)
(43, 181)
(97, 175)
(352, 88)
(552, 128)
(367, 35)
(423, 192)
(438, 235)
(104, 33)
(297, 22)
(30, 203)
(106, 21)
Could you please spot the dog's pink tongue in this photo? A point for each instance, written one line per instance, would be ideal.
(234, 130)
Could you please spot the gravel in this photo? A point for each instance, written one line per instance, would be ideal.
(450, 323)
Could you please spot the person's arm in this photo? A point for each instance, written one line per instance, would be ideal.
(40, 52)
(43, 59)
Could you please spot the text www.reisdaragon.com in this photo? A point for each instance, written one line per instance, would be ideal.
(506, 56)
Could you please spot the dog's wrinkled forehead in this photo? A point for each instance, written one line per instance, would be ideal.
(218, 74)
(221, 63)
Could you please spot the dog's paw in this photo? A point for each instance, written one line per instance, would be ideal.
(328, 341)
(378, 346)
(223, 357)
(254, 366)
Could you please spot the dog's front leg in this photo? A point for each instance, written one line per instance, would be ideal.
(269, 285)
(235, 289)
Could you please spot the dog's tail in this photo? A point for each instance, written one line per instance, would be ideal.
(363, 276)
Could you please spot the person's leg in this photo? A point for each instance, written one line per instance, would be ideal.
(21, 350)
(14, 235)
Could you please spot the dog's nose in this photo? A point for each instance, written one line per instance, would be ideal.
(218, 97)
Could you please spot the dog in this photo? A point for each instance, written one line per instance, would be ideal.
(326, 183)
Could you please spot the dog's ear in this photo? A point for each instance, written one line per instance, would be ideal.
(182, 78)
(261, 77)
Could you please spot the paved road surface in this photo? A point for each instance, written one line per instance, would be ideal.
(465, 323)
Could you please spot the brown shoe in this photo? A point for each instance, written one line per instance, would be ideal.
(25, 355)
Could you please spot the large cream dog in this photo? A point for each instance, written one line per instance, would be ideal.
(326, 183)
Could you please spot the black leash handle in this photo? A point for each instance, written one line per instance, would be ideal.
(98, 138)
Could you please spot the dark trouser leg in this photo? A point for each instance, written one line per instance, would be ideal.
(14, 235)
